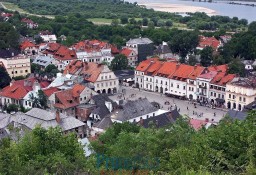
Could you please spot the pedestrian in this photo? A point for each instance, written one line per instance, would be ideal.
(187, 108)
(193, 112)
(214, 114)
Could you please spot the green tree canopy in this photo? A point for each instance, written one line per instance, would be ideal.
(206, 56)
(43, 152)
(120, 62)
(236, 67)
(5, 78)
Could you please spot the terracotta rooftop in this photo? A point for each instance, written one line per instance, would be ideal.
(222, 78)
(198, 70)
(208, 75)
(69, 98)
(48, 92)
(144, 65)
(219, 68)
(26, 44)
(197, 124)
(64, 53)
(19, 89)
(91, 45)
(167, 69)
(182, 72)
(89, 70)
(126, 52)
(208, 41)
(26, 20)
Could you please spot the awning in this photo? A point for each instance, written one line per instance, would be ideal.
(220, 100)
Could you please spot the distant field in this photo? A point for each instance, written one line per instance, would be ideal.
(13, 7)
(100, 20)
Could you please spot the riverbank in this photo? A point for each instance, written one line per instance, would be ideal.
(178, 8)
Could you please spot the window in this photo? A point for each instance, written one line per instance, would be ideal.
(84, 98)
(16, 72)
(21, 71)
(166, 83)
(218, 95)
(114, 83)
(244, 99)
(161, 82)
(171, 85)
(229, 95)
(178, 86)
(81, 99)
(240, 98)
(109, 76)
(222, 96)
(110, 83)
(101, 84)
(98, 85)
(234, 96)
(106, 84)
(184, 87)
(211, 93)
(102, 77)
(106, 77)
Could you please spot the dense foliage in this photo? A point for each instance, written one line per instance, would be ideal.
(9, 37)
(120, 62)
(127, 12)
(228, 148)
(5, 78)
(42, 152)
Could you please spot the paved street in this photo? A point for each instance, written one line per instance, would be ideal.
(185, 107)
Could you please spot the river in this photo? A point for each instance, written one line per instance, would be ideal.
(219, 7)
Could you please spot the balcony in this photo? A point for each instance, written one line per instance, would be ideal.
(203, 86)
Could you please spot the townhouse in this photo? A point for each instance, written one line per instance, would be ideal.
(217, 91)
(208, 42)
(62, 55)
(28, 48)
(98, 77)
(131, 56)
(240, 92)
(192, 82)
(67, 100)
(30, 24)
(48, 37)
(19, 92)
(94, 51)
(16, 64)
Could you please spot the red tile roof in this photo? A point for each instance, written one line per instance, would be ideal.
(208, 41)
(220, 68)
(90, 71)
(69, 98)
(126, 52)
(19, 89)
(222, 78)
(6, 14)
(144, 65)
(25, 44)
(48, 92)
(153, 68)
(197, 124)
(208, 75)
(167, 69)
(26, 20)
(64, 53)
(198, 70)
(182, 72)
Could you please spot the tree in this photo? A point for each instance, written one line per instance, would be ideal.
(206, 56)
(145, 22)
(124, 20)
(192, 60)
(168, 23)
(236, 67)
(115, 22)
(183, 42)
(5, 78)
(43, 151)
(35, 68)
(42, 98)
(39, 40)
(12, 108)
(120, 62)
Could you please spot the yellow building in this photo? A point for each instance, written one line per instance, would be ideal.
(16, 64)
(240, 92)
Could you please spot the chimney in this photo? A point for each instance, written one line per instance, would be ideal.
(57, 117)
(11, 83)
